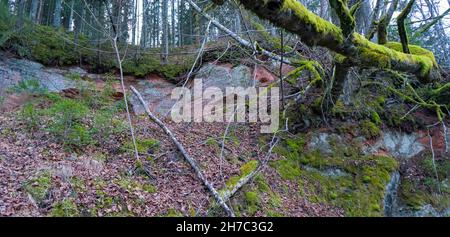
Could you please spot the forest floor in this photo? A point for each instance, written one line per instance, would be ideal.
(39, 177)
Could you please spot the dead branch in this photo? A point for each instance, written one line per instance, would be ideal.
(188, 158)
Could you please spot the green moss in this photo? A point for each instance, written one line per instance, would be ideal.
(381, 100)
(252, 198)
(288, 169)
(248, 168)
(369, 129)
(262, 184)
(320, 25)
(173, 213)
(359, 191)
(143, 146)
(316, 105)
(412, 196)
(65, 208)
(149, 188)
(376, 118)
(414, 49)
(30, 116)
(231, 182)
(253, 202)
(339, 109)
(275, 200)
(212, 142)
(39, 186)
(384, 57)
(244, 171)
(66, 124)
(416, 192)
(147, 64)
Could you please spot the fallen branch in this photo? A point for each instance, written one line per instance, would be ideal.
(230, 193)
(188, 158)
(261, 166)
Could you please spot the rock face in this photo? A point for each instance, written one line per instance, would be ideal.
(400, 145)
(13, 71)
(390, 197)
(156, 92)
(223, 77)
(321, 142)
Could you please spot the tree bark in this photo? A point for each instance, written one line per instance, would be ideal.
(370, 32)
(165, 31)
(34, 10)
(384, 23)
(401, 26)
(57, 14)
(20, 13)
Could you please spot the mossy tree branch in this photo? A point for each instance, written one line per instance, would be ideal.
(401, 25)
(315, 31)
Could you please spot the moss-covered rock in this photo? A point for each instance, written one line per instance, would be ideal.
(39, 187)
(359, 190)
(370, 129)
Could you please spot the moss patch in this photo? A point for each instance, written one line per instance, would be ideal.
(384, 57)
(360, 192)
(320, 25)
(39, 186)
(370, 129)
(144, 146)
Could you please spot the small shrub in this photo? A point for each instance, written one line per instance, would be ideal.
(66, 125)
(65, 208)
(145, 146)
(31, 86)
(29, 116)
(102, 126)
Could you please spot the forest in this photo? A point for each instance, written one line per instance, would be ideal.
(225, 108)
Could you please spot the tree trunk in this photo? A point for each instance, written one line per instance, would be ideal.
(34, 10)
(370, 31)
(165, 31)
(401, 26)
(20, 13)
(40, 12)
(57, 14)
(172, 35)
(384, 23)
(134, 20)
